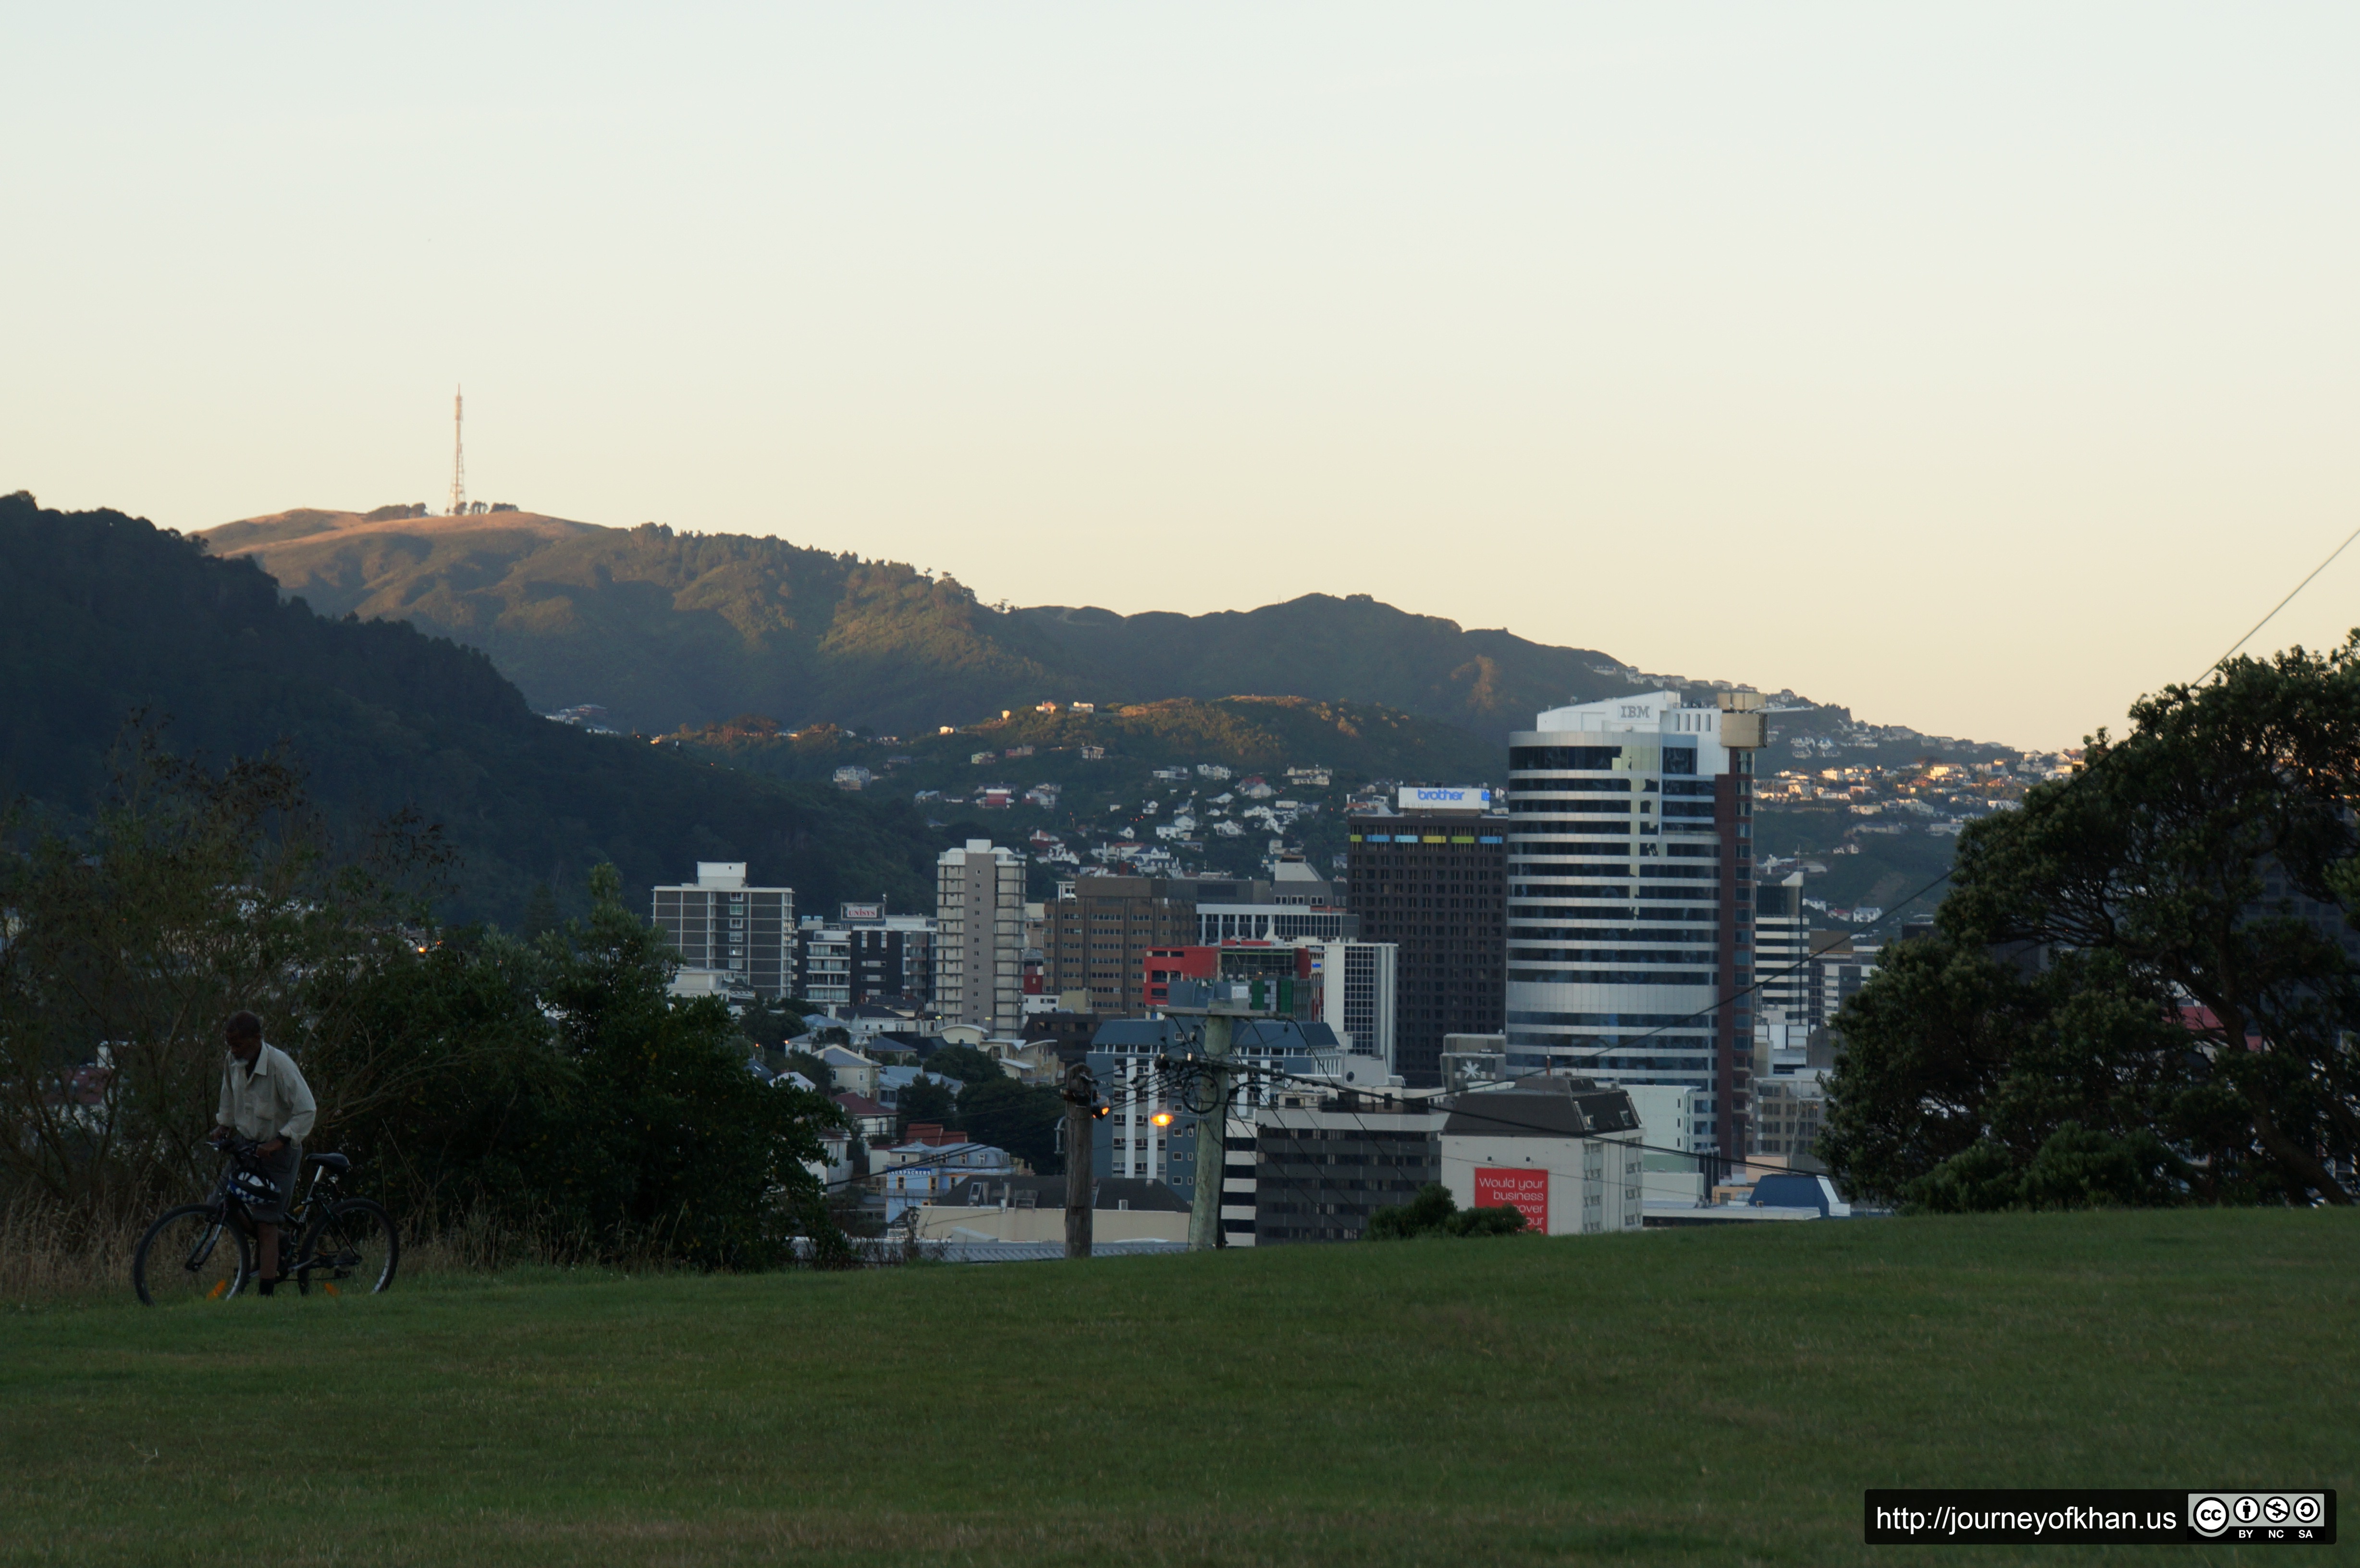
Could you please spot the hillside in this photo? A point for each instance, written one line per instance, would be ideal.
(1103, 768)
(666, 628)
(102, 614)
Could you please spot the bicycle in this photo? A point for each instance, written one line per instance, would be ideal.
(205, 1251)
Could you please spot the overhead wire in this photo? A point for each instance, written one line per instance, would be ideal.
(2281, 604)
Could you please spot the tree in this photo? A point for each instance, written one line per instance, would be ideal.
(1434, 1212)
(540, 915)
(924, 1100)
(812, 1068)
(771, 1024)
(2183, 989)
(1022, 1118)
(194, 893)
(667, 1138)
(966, 1063)
(1953, 1055)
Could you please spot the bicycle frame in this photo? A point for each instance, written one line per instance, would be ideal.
(227, 1205)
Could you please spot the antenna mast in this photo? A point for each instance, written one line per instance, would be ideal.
(459, 452)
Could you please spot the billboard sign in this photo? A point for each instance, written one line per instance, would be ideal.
(1518, 1187)
(1415, 798)
(862, 911)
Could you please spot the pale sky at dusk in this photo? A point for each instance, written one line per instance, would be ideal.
(1978, 367)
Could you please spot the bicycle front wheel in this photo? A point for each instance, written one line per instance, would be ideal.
(193, 1253)
(351, 1247)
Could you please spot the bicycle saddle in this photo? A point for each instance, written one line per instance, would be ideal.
(331, 1161)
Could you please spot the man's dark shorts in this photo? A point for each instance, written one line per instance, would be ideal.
(282, 1168)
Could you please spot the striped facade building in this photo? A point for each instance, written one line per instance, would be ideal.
(1631, 901)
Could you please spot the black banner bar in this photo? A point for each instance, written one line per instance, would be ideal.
(2100, 1516)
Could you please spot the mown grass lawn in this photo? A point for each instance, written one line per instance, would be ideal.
(1700, 1396)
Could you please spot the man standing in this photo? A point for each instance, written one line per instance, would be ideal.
(264, 1097)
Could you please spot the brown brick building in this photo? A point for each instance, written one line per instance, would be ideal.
(1098, 939)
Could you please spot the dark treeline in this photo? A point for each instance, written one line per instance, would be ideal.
(546, 1093)
(103, 615)
(2143, 986)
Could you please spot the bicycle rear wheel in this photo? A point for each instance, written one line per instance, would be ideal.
(193, 1253)
(351, 1247)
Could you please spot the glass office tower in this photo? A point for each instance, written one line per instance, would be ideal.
(1631, 898)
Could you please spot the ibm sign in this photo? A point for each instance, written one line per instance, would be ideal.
(1416, 800)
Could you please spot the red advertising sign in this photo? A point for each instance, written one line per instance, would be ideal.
(1514, 1187)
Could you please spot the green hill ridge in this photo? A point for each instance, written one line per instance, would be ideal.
(101, 614)
(665, 628)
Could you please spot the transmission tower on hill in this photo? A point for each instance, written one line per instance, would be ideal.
(459, 452)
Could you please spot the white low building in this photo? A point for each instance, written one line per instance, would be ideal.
(1566, 1151)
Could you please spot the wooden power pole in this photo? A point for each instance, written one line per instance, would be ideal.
(1081, 1094)
(1212, 1136)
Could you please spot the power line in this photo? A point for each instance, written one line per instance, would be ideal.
(2281, 604)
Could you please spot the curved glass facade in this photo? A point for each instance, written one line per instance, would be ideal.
(1629, 914)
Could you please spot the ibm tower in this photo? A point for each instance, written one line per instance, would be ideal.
(1631, 898)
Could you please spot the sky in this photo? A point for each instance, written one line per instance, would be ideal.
(1978, 367)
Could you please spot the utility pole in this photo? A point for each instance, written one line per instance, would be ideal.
(1212, 1137)
(1081, 1096)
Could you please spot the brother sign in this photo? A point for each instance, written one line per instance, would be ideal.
(1417, 799)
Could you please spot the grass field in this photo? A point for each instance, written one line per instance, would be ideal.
(1700, 1396)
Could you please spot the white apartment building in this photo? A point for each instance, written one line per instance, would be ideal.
(1356, 994)
(979, 936)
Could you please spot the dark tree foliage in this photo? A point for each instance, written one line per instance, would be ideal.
(541, 913)
(924, 1100)
(552, 1092)
(558, 1089)
(964, 1062)
(811, 1067)
(1022, 1118)
(668, 1136)
(770, 1025)
(1434, 1212)
(103, 614)
(2175, 1015)
(192, 894)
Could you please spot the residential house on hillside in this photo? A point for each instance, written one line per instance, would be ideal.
(873, 1121)
(916, 1173)
(851, 1070)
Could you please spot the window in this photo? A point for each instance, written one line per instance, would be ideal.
(1565, 758)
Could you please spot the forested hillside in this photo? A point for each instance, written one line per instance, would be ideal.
(103, 614)
(667, 628)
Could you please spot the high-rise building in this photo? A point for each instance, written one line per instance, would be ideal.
(1433, 884)
(1295, 902)
(740, 935)
(1631, 898)
(1096, 938)
(1840, 966)
(979, 936)
(888, 960)
(1782, 933)
(1358, 981)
